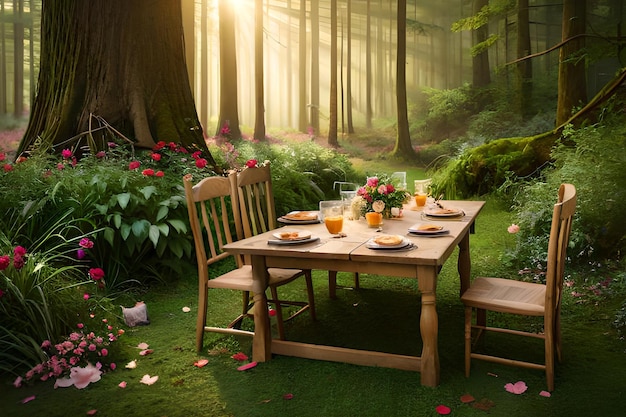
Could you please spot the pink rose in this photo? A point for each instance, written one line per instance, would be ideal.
(66, 153)
(372, 182)
(85, 243)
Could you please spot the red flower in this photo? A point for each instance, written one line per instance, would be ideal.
(147, 172)
(172, 146)
(18, 262)
(3, 156)
(196, 154)
(201, 162)
(21, 159)
(19, 251)
(156, 156)
(252, 163)
(160, 145)
(159, 174)
(5, 261)
(101, 154)
(134, 165)
(8, 167)
(1, 293)
(96, 274)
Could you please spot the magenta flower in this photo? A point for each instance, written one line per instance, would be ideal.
(66, 153)
(85, 243)
(86, 296)
(96, 274)
(80, 254)
(19, 251)
(18, 262)
(5, 261)
(101, 154)
(60, 166)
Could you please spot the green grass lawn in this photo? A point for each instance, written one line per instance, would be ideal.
(383, 315)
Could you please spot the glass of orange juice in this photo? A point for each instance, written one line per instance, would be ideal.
(420, 199)
(331, 213)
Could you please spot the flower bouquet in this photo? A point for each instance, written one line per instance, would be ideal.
(380, 194)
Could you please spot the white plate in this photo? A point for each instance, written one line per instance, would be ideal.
(373, 245)
(288, 221)
(415, 229)
(301, 216)
(438, 212)
(293, 242)
(292, 234)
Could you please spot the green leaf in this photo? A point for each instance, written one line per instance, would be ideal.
(148, 191)
(123, 199)
(109, 235)
(117, 220)
(179, 225)
(154, 234)
(102, 208)
(125, 231)
(141, 228)
(164, 229)
(163, 212)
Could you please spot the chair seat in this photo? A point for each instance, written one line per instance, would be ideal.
(506, 296)
(241, 278)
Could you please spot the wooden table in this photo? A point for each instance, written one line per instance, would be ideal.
(350, 254)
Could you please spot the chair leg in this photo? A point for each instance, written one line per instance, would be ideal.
(549, 352)
(201, 320)
(468, 340)
(279, 313)
(310, 293)
(357, 284)
(332, 284)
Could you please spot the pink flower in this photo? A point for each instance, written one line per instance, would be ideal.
(80, 325)
(60, 166)
(134, 165)
(18, 382)
(92, 347)
(96, 274)
(46, 344)
(5, 261)
(112, 365)
(149, 172)
(156, 156)
(104, 352)
(201, 162)
(18, 262)
(8, 167)
(252, 163)
(513, 229)
(66, 153)
(85, 243)
(372, 182)
(382, 189)
(122, 384)
(86, 296)
(518, 388)
(19, 251)
(3, 156)
(100, 154)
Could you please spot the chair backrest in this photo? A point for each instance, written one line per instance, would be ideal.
(559, 239)
(209, 204)
(255, 200)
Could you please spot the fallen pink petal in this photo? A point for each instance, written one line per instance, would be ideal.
(288, 396)
(518, 388)
(149, 380)
(18, 382)
(122, 384)
(143, 346)
(247, 366)
(545, 394)
(467, 398)
(186, 309)
(92, 412)
(28, 399)
(443, 410)
(146, 352)
(80, 377)
(131, 365)
(201, 363)
(240, 357)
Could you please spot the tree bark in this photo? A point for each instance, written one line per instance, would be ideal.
(302, 112)
(349, 67)
(229, 113)
(524, 68)
(572, 85)
(481, 76)
(121, 61)
(403, 146)
(315, 68)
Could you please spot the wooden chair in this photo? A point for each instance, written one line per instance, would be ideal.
(525, 298)
(210, 216)
(255, 208)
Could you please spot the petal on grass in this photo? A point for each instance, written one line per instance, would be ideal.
(467, 398)
(247, 366)
(28, 399)
(92, 412)
(545, 394)
(200, 363)
(288, 396)
(443, 410)
(240, 357)
(122, 384)
(131, 365)
(518, 388)
(186, 309)
(146, 352)
(143, 346)
(149, 380)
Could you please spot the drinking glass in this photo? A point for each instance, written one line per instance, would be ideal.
(331, 213)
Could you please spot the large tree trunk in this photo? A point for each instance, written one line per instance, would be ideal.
(403, 146)
(118, 60)
(572, 78)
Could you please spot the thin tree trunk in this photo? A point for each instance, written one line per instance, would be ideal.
(302, 113)
(524, 68)
(349, 67)
(332, 127)
(315, 67)
(18, 59)
(368, 69)
(259, 97)
(480, 63)
(403, 146)
(229, 112)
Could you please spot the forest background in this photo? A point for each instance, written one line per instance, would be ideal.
(495, 105)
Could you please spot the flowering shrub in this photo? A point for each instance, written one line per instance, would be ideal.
(380, 189)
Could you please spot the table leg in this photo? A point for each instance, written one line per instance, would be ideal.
(262, 342)
(332, 284)
(429, 325)
(464, 263)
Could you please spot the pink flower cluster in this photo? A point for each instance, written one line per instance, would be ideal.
(81, 348)
(19, 259)
(381, 189)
